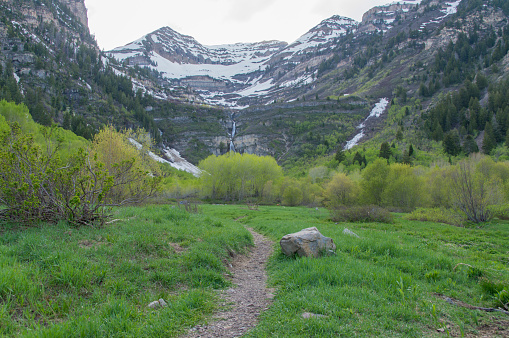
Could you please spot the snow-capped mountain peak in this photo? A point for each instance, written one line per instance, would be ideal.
(328, 30)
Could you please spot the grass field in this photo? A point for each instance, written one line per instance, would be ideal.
(390, 282)
(57, 281)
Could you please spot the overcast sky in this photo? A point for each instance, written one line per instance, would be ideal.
(118, 22)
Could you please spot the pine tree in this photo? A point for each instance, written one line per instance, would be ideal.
(399, 135)
(470, 146)
(406, 158)
(357, 158)
(410, 150)
(438, 133)
(488, 142)
(385, 151)
(451, 143)
(340, 155)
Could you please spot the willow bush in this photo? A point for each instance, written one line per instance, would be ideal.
(47, 182)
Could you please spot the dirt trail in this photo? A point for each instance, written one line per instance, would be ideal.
(248, 297)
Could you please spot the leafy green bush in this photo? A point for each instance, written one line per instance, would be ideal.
(361, 213)
(36, 184)
(438, 215)
(500, 211)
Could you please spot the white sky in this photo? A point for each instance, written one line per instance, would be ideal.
(211, 22)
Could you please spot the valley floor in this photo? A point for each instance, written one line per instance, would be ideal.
(402, 279)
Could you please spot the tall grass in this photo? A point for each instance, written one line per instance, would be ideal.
(57, 281)
(388, 283)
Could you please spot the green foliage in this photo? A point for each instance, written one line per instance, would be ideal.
(488, 142)
(404, 188)
(340, 191)
(385, 151)
(43, 181)
(437, 215)
(470, 146)
(57, 281)
(475, 188)
(452, 143)
(292, 196)
(361, 213)
(374, 179)
(235, 177)
(340, 156)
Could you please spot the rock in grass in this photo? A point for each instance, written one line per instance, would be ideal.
(158, 303)
(351, 233)
(307, 243)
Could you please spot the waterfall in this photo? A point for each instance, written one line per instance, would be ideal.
(234, 130)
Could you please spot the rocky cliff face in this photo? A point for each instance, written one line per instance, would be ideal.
(78, 8)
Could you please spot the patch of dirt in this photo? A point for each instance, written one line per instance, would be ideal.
(90, 244)
(178, 249)
(242, 304)
(496, 328)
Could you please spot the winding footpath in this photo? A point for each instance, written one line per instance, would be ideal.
(242, 304)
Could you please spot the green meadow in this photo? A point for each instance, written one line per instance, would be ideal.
(60, 281)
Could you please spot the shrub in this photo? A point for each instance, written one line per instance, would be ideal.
(374, 181)
(292, 196)
(438, 215)
(474, 191)
(361, 213)
(341, 190)
(404, 188)
(500, 211)
(37, 185)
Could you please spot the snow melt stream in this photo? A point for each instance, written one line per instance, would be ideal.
(377, 111)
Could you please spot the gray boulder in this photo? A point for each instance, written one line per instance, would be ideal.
(307, 243)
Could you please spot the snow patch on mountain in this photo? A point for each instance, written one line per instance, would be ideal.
(175, 160)
(450, 9)
(175, 70)
(328, 30)
(376, 112)
(406, 2)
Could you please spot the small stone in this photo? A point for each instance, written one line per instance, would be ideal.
(154, 305)
(162, 303)
(350, 233)
(307, 315)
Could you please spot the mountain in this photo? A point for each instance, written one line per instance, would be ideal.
(50, 62)
(241, 75)
(228, 74)
(409, 69)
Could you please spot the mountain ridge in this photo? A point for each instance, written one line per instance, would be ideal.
(239, 81)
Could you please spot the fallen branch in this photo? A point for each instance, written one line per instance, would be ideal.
(470, 266)
(468, 306)
(114, 221)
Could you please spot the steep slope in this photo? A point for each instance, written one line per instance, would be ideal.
(301, 101)
(241, 75)
(50, 62)
(227, 74)
(402, 54)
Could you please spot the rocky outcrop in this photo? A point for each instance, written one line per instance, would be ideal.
(78, 8)
(204, 83)
(307, 243)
